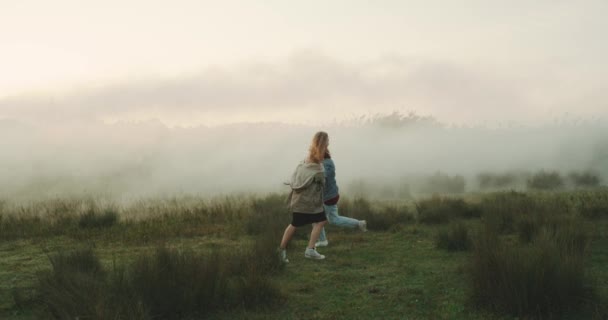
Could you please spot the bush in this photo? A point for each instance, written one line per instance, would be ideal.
(454, 238)
(544, 180)
(586, 179)
(543, 279)
(443, 183)
(490, 180)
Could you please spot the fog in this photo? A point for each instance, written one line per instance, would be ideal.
(310, 87)
(141, 159)
(243, 129)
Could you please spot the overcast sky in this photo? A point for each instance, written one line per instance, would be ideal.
(203, 62)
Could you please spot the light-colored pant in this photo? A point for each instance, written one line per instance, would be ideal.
(331, 212)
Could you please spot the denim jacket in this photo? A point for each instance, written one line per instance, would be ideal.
(331, 186)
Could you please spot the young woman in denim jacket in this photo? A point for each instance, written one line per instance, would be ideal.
(330, 198)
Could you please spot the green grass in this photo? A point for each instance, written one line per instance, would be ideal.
(397, 273)
(389, 275)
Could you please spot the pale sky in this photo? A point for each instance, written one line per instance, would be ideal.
(203, 62)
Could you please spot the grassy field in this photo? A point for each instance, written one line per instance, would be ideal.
(394, 271)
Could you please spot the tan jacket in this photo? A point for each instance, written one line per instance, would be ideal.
(307, 183)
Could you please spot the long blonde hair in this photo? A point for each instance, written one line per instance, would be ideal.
(318, 147)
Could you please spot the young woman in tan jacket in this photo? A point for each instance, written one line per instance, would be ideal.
(306, 197)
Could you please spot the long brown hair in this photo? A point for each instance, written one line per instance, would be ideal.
(318, 147)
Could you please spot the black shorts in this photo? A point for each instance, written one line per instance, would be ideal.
(302, 219)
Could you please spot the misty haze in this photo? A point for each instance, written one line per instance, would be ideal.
(147, 158)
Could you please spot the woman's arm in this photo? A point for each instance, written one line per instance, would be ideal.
(330, 168)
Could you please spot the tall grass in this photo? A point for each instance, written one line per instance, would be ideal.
(152, 220)
(166, 284)
(144, 220)
(508, 212)
(542, 279)
(541, 275)
(267, 213)
(75, 286)
(528, 227)
(455, 237)
(56, 217)
(379, 217)
(93, 219)
(437, 210)
(501, 210)
(591, 204)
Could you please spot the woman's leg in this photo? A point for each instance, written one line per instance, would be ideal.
(322, 236)
(335, 219)
(287, 235)
(314, 234)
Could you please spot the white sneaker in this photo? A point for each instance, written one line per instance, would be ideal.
(313, 254)
(322, 243)
(363, 225)
(283, 255)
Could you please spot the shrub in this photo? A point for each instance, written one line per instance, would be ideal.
(586, 179)
(544, 180)
(543, 279)
(490, 180)
(454, 238)
(443, 183)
